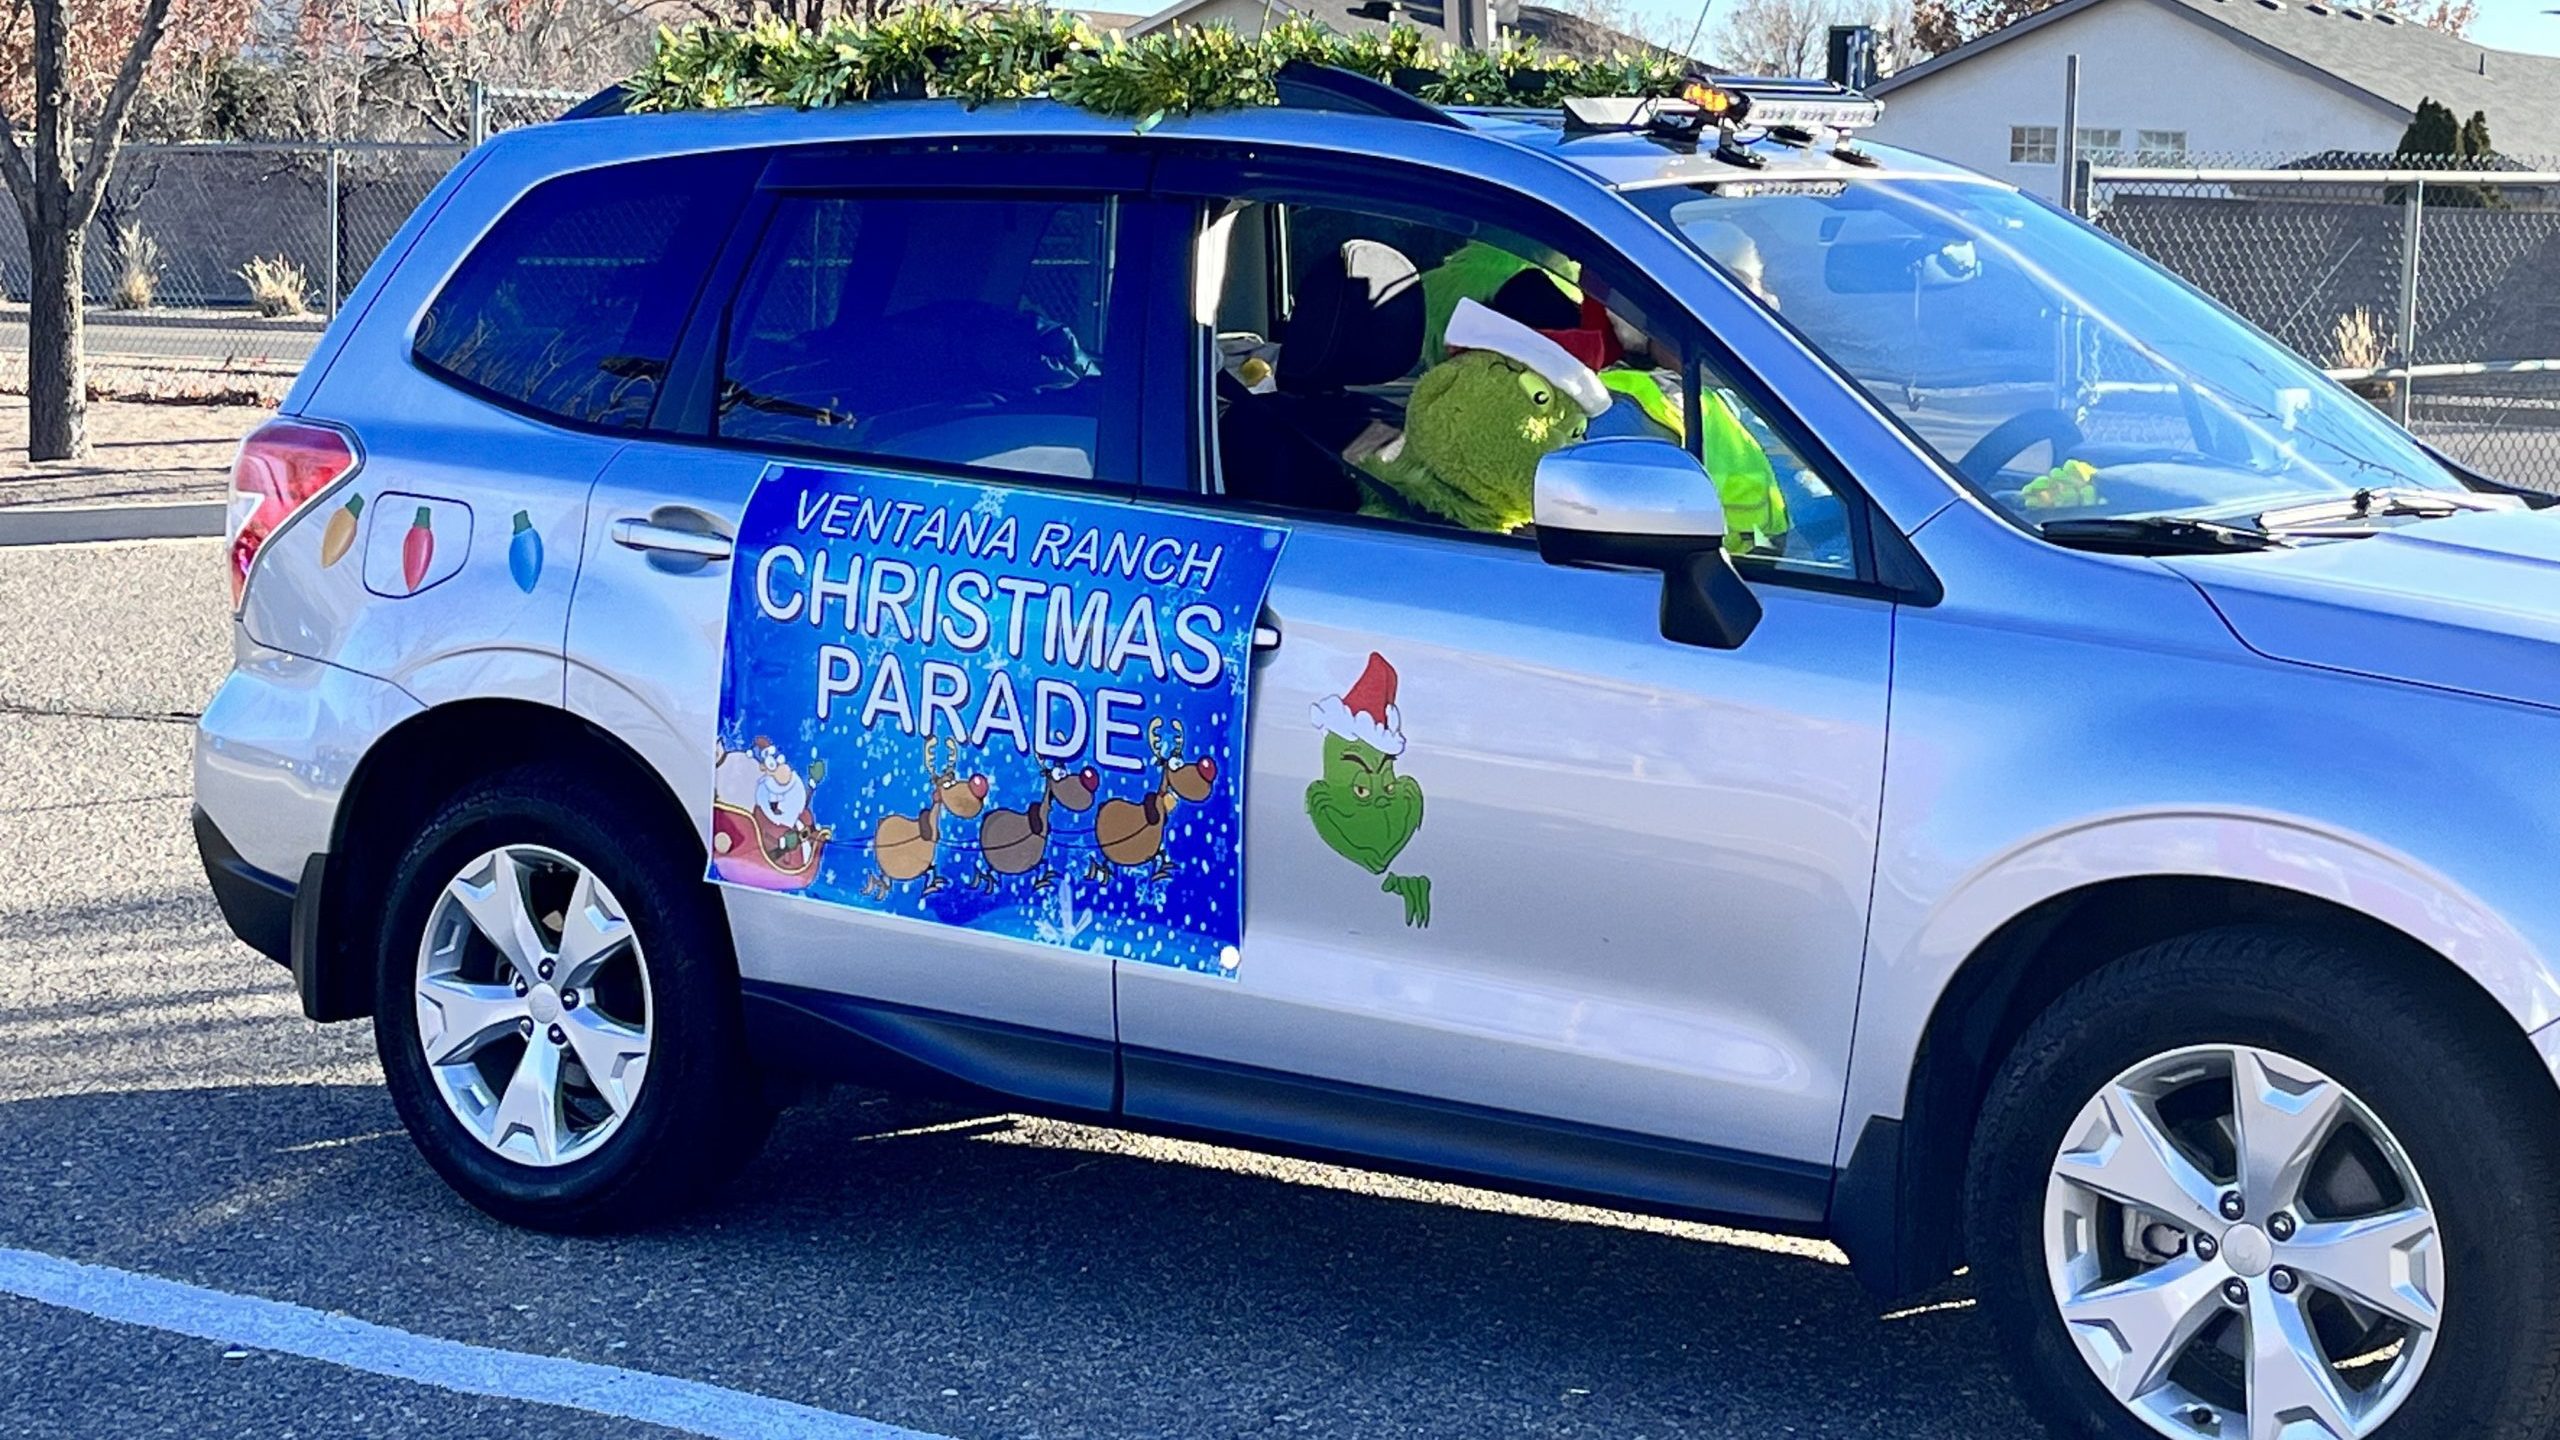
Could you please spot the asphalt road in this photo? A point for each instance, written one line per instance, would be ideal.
(239, 339)
(165, 1112)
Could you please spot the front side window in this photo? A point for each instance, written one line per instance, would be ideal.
(965, 331)
(1397, 369)
(2059, 372)
(2034, 144)
(571, 305)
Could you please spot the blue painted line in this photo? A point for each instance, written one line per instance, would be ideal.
(128, 1298)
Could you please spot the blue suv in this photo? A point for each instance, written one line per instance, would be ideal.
(1720, 670)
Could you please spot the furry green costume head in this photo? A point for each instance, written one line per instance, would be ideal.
(1479, 424)
(1480, 421)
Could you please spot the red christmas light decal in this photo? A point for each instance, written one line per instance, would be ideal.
(418, 548)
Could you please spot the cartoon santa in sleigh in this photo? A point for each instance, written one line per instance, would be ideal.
(762, 833)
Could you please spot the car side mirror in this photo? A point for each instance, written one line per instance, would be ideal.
(1631, 503)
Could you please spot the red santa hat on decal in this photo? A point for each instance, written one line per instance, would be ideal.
(1481, 327)
(1367, 711)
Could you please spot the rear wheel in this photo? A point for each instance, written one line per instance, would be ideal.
(2257, 1186)
(557, 1008)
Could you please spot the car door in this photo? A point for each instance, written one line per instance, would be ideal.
(1610, 938)
(868, 305)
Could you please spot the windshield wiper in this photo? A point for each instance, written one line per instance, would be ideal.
(2155, 535)
(2378, 502)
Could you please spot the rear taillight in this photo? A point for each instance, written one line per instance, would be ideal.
(283, 466)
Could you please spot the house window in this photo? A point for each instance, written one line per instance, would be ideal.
(2101, 147)
(2162, 146)
(2034, 144)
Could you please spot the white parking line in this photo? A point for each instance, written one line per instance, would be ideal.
(128, 1298)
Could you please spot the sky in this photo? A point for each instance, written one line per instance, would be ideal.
(2518, 25)
(2503, 24)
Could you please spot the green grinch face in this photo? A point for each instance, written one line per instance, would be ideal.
(1482, 423)
(1362, 807)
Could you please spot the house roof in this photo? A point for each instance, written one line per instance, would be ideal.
(1557, 31)
(2390, 62)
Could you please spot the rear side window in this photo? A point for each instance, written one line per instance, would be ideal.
(570, 306)
(964, 331)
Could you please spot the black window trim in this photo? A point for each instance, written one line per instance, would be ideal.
(1202, 172)
(742, 198)
(879, 169)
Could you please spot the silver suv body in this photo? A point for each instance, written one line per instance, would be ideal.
(2123, 889)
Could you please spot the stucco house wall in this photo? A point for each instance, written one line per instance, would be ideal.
(2142, 67)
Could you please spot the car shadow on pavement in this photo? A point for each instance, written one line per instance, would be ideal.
(981, 1275)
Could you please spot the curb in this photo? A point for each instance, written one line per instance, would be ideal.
(87, 524)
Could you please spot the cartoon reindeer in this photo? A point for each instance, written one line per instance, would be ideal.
(1131, 832)
(903, 847)
(1016, 842)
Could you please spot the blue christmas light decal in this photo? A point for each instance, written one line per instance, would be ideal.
(524, 553)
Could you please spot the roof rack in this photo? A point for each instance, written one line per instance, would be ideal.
(1305, 85)
(611, 100)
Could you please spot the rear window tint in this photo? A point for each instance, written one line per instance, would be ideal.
(571, 304)
(959, 331)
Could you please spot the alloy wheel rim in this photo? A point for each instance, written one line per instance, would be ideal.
(2240, 1250)
(533, 1005)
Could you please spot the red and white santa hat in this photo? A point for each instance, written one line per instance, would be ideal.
(1481, 327)
(1367, 711)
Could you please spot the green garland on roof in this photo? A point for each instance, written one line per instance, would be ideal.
(979, 55)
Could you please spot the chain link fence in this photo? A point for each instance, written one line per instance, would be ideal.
(2435, 292)
(231, 256)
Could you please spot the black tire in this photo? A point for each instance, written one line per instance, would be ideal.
(699, 1113)
(2437, 1064)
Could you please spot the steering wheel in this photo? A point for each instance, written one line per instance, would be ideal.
(2014, 437)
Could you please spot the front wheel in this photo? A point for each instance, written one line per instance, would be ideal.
(2247, 1185)
(556, 1008)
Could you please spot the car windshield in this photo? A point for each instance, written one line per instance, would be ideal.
(2056, 370)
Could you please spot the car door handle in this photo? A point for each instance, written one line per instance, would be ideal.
(633, 533)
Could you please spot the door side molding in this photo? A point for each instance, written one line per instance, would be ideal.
(1472, 1144)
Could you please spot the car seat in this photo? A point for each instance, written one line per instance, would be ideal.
(1357, 321)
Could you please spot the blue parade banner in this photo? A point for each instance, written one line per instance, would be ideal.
(1021, 712)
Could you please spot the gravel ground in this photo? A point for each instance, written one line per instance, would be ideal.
(164, 1109)
(141, 453)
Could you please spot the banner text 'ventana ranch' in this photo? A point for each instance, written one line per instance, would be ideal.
(934, 593)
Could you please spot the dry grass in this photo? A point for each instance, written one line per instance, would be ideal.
(138, 273)
(277, 287)
(2355, 342)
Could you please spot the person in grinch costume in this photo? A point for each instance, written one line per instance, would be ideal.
(1478, 424)
(1481, 279)
(1360, 806)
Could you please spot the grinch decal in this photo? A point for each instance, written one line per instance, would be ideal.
(1365, 810)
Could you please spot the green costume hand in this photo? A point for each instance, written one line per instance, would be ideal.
(2073, 484)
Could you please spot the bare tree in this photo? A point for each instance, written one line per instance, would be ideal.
(1608, 26)
(57, 180)
(1792, 37)
(2453, 17)
(421, 57)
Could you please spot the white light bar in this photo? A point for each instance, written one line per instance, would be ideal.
(1844, 112)
(1803, 104)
